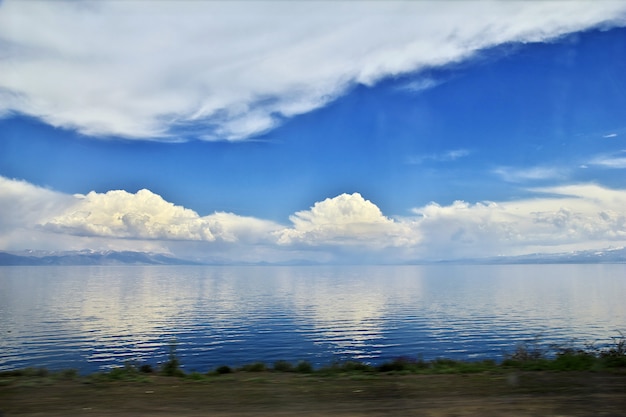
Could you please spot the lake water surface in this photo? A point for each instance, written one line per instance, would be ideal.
(92, 318)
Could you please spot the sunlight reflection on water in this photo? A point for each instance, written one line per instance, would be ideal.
(91, 318)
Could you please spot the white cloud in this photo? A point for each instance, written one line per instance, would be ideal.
(421, 84)
(536, 173)
(615, 161)
(145, 215)
(142, 70)
(347, 219)
(346, 227)
(571, 217)
(22, 203)
(610, 135)
(26, 207)
(448, 156)
(563, 218)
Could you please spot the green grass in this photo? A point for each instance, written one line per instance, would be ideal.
(526, 357)
(532, 357)
(254, 367)
(129, 372)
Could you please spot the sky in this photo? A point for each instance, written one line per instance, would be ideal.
(335, 132)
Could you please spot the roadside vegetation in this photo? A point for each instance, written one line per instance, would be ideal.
(531, 356)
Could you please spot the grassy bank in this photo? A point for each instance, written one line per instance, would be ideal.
(526, 357)
(531, 381)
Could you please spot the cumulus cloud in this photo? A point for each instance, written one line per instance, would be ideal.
(37, 218)
(145, 215)
(236, 69)
(347, 219)
(563, 218)
(557, 219)
(25, 207)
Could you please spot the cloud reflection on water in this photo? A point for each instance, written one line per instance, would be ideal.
(94, 317)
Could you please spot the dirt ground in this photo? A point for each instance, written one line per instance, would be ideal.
(282, 394)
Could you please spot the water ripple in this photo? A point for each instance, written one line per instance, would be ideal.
(95, 318)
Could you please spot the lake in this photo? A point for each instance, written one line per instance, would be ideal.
(93, 318)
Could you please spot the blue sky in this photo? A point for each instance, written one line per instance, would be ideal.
(331, 132)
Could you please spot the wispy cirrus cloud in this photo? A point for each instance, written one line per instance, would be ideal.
(420, 84)
(233, 70)
(536, 173)
(447, 156)
(613, 161)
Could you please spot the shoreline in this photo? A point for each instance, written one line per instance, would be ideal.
(531, 356)
(529, 382)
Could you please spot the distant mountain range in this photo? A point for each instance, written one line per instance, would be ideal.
(612, 255)
(88, 257)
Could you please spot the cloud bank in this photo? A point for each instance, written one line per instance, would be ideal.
(560, 219)
(231, 70)
(557, 219)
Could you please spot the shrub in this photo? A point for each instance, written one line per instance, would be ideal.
(254, 367)
(196, 376)
(574, 360)
(403, 364)
(146, 368)
(30, 372)
(530, 356)
(283, 366)
(172, 366)
(349, 366)
(527, 352)
(67, 374)
(354, 366)
(129, 372)
(444, 365)
(304, 367)
(118, 374)
(224, 369)
(615, 356)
